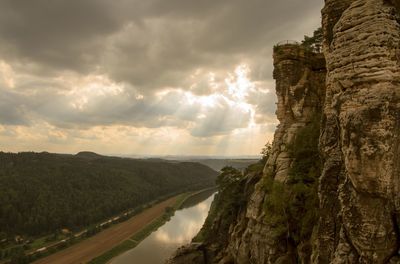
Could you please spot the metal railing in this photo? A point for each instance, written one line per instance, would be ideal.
(287, 42)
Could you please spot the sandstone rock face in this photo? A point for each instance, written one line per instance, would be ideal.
(300, 88)
(193, 254)
(359, 187)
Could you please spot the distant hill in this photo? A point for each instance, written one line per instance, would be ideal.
(43, 192)
(88, 154)
(218, 164)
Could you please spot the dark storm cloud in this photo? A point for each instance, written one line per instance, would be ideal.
(147, 46)
(57, 34)
(205, 34)
(166, 40)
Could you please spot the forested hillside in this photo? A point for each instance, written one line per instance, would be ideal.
(43, 192)
(218, 164)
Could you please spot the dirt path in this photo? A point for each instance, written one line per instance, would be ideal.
(107, 239)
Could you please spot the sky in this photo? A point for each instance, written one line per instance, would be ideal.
(134, 77)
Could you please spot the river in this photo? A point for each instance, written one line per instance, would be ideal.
(179, 230)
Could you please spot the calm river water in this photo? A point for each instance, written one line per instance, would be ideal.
(180, 230)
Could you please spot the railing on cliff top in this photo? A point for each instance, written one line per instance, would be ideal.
(288, 42)
(314, 49)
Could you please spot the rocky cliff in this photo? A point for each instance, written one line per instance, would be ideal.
(352, 108)
(359, 186)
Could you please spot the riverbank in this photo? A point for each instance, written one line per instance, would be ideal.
(100, 243)
(182, 201)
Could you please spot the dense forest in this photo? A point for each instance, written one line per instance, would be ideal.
(42, 192)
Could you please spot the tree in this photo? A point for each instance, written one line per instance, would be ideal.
(19, 257)
(314, 43)
(228, 176)
(266, 152)
(291, 208)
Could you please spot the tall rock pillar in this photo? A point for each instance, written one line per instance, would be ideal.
(360, 139)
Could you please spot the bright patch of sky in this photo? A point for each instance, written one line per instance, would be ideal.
(143, 77)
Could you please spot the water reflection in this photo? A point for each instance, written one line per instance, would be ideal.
(159, 246)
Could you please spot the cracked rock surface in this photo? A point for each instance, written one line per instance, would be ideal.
(359, 188)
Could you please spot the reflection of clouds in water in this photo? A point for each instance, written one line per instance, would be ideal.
(203, 207)
(159, 246)
(187, 224)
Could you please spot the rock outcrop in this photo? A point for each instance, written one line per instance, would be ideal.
(300, 88)
(358, 95)
(360, 140)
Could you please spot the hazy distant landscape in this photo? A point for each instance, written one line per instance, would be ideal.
(214, 162)
(218, 164)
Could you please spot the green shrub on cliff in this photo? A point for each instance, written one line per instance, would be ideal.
(259, 166)
(276, 208)
(314, 43)
(306, 165)
(291, 207)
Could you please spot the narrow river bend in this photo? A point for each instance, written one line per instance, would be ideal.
(179, 230)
